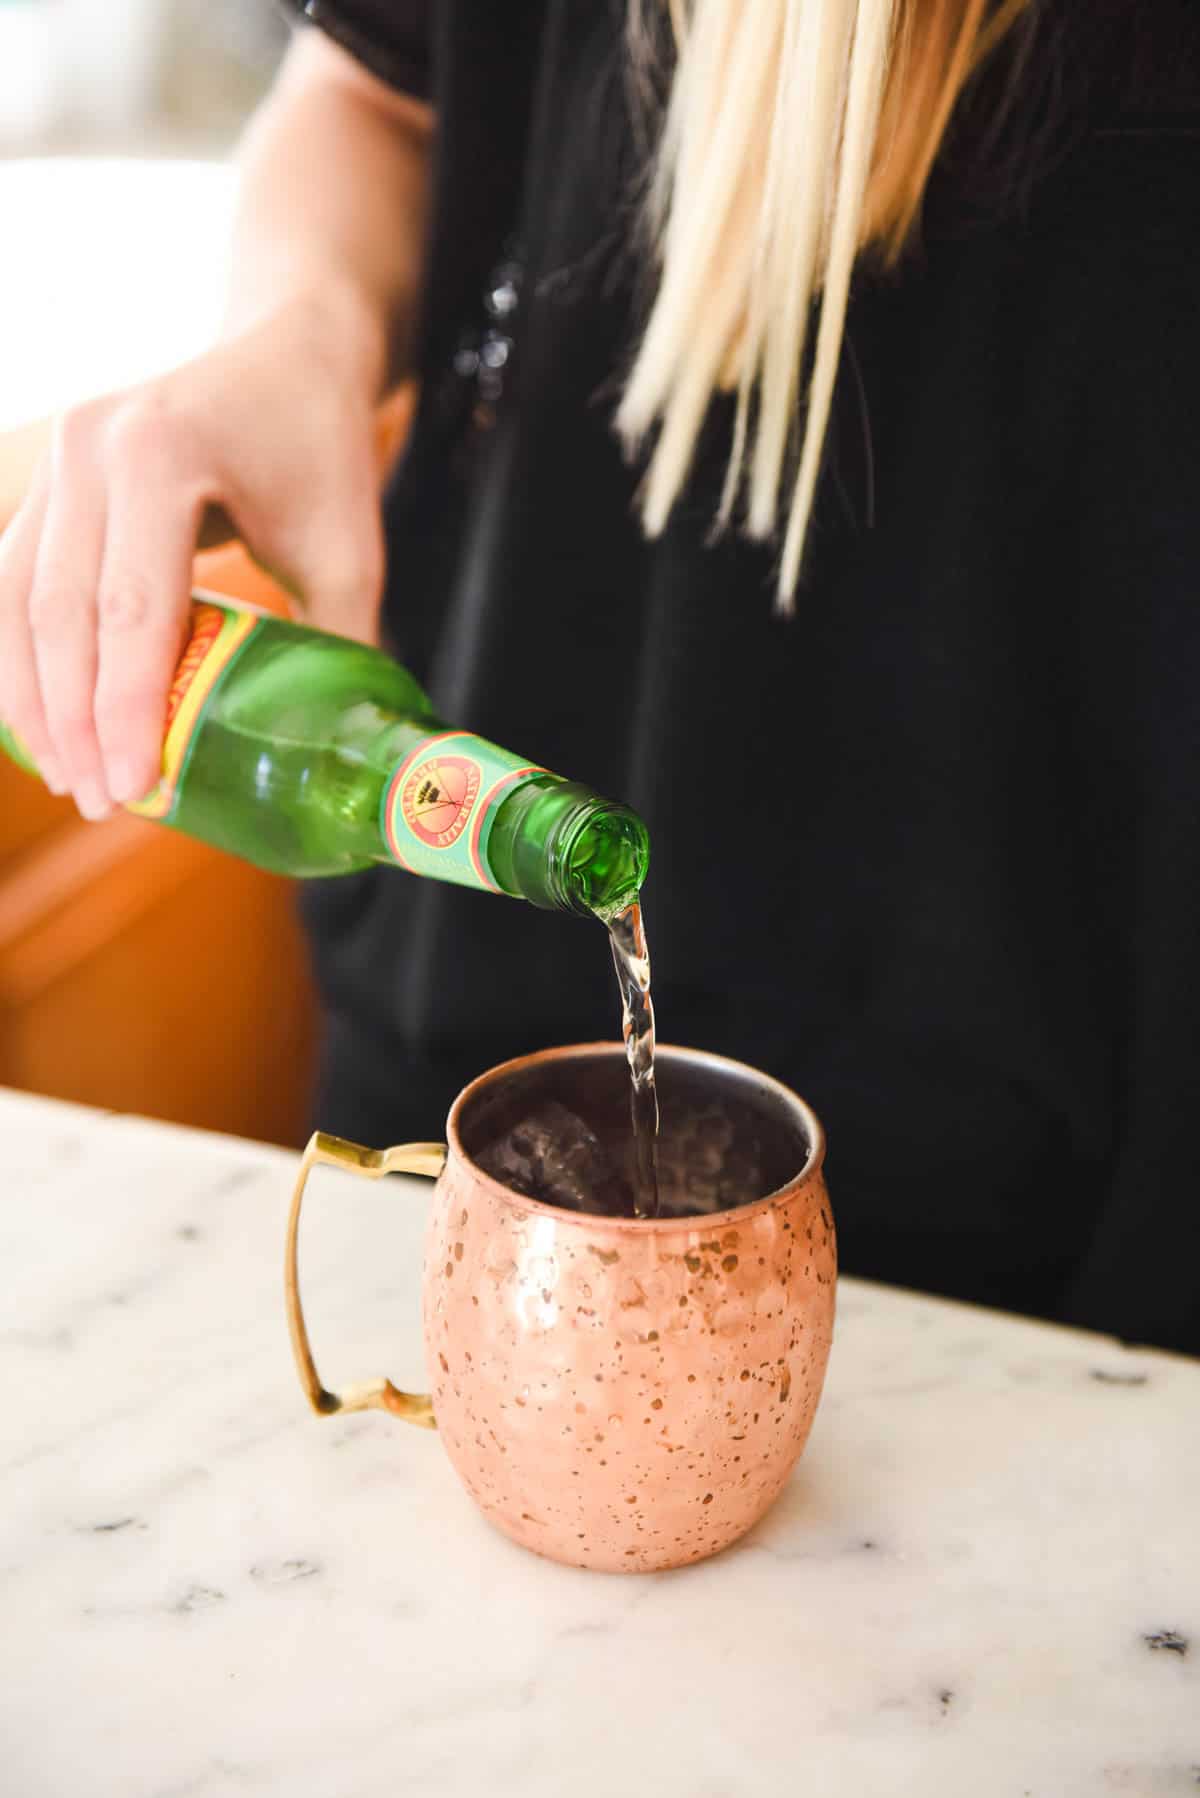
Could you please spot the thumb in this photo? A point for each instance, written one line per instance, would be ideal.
(334, 570)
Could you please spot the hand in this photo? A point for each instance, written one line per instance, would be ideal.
(275, 428)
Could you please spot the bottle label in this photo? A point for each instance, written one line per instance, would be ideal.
(439, 806)
(218, 633)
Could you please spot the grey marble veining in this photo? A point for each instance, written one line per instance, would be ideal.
(983, 1580)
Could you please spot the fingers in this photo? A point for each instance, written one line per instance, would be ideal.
(322, 538)
(95, 569)
(142, 609)
(62, 612)
(343, 582)
(338, 562)
(20, 694)
(94, 594)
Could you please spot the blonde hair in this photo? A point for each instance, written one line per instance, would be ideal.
(796, 134)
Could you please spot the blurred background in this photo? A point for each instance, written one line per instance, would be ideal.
(138, 971)
(136, 77)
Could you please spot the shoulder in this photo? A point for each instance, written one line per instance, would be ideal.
(411, 44)
(391, 38)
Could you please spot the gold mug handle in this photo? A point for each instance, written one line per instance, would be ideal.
(427, 1158)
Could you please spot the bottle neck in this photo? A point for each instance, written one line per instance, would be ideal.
(573, 851)
(455, 807)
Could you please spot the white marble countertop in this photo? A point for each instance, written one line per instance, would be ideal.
(983, 1581)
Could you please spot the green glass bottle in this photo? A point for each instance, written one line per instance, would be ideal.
(313, 755)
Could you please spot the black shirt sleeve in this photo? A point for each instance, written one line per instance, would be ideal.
(389, 37)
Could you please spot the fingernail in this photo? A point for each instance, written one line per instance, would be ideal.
(52, 775)
(125, 784)
(92, 801)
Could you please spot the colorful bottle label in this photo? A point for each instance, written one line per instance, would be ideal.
(439, 806)
(218, 633)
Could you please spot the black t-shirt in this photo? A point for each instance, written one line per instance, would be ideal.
(929, 851)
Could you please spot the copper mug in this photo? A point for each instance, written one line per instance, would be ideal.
(614, 1392)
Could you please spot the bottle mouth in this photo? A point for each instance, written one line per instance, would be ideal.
(599, 859)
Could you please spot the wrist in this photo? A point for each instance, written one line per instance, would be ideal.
(353, 326)
(334, 319)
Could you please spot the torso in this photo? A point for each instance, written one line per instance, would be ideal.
(916, 851)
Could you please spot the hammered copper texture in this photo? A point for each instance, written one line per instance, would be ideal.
(625, 1394)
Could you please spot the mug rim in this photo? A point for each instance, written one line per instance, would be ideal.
(806, 1176)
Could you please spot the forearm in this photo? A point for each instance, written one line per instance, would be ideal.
(332, 209)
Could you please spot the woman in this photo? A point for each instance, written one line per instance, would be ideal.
(917, 741)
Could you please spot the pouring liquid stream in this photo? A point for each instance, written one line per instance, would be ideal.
(631, 958)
